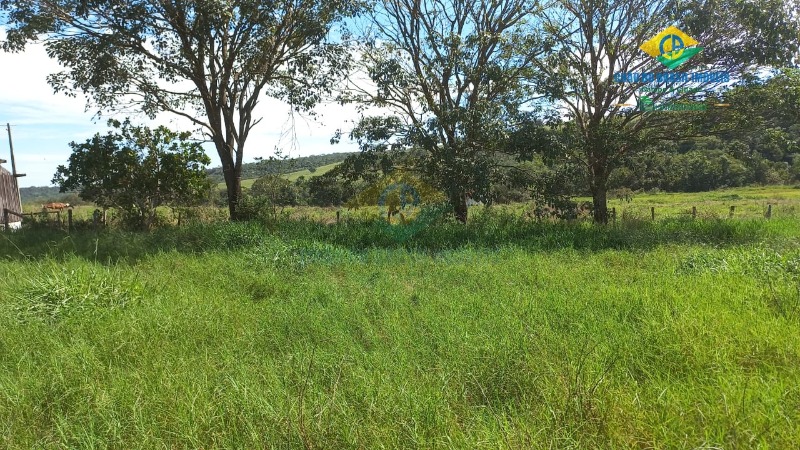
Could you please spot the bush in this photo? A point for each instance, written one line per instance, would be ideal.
(274, 190)
(136, 170)
(328, 190)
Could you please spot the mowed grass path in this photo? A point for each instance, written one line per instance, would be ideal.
(283, 342)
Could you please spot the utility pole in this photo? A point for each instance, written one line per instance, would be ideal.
(11, 147)
(14, 168)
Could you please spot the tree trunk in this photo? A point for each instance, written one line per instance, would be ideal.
(598, 184)
(600, 203)
(233, 179)
(459, 202)
(231, 168)
(233, 184)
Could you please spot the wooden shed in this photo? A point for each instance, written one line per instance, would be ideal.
(9, 198)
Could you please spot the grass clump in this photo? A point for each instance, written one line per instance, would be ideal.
(778, 270)
(52, 291)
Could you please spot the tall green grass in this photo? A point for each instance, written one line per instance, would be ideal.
(498, 334)
(486, 231)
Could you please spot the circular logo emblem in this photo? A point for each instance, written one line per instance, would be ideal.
(399, 198)
(671, 46)
(407, 207)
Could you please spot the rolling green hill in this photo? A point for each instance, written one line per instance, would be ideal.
(255, 170)
(293, 169)
(44, 194)
(291, 176)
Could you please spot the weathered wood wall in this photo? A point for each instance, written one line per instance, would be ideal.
(9, 193)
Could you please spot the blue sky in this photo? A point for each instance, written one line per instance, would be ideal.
(43, 123)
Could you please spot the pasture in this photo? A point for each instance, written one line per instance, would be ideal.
(291, 176)
(504, 333)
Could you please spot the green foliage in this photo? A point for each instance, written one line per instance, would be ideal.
(755, 156)
(268, 196)
(258, 169)
(329, 190)
(454, 81)
(136, 169)
(373, 194)
(207, 61)
(594, 41)
(46, 194)
(276, 190)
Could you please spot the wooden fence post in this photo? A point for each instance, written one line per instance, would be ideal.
(179, 218)
(694, 212)
(5, 220)
(769, 212)
(653, 212)
(733, 210)
(69, 220)
(95, 219)
(614, 214)
(337, 216)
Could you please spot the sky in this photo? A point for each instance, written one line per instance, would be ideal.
(44, 123)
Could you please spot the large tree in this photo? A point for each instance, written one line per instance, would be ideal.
(136, 169)
(451, 77)
(209, 61)
(597, 40)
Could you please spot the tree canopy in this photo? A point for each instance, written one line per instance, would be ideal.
(208, 61)
(136, 169)
(453, 80)
(597, 40)
(454, 91)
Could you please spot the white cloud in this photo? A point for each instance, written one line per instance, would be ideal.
(43, 123)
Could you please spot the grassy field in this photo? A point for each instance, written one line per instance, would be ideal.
(291, 176)
(504, 333)
(748, 202)
(321, 170)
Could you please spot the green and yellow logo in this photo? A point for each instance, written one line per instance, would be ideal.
(672, 47)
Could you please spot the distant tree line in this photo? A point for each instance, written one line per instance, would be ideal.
(279, 166)
(45, 194)
(754, 141)
(271, 193)
(254, 170)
